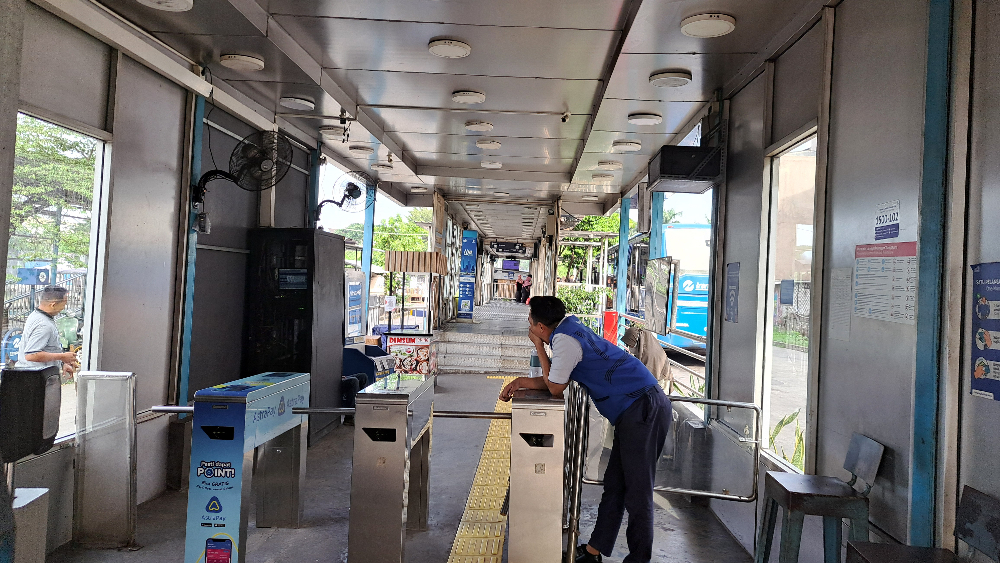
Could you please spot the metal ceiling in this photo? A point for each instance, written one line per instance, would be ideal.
(534, 61)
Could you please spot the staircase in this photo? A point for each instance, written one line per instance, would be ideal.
(496, 343)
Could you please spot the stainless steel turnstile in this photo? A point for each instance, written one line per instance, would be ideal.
(537, 450)
(392, 441)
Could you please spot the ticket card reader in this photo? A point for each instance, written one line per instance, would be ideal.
(389, 484)
(230, 422)
(537, 446)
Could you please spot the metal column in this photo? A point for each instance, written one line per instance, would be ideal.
(537, 448)
(656, 246)
(368, 241)
(621, 296)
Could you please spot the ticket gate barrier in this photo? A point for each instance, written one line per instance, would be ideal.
(231, 423)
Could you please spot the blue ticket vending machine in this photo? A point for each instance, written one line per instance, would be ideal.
(230, 422)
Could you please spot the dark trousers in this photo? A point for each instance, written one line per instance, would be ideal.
(628, 480)
(349, 387)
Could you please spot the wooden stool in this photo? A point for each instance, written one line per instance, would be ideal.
(977, 514)
(829, 497)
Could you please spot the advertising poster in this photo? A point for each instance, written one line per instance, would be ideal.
(885, 282)
(732, 292)
(986, 330)
(354, 319)
(467, 279)
(412, 353)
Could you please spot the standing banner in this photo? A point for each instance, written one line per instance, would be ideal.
(355, 317)
(467, 275)
(986, 330)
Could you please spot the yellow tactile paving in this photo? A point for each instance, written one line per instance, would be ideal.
(481, 533)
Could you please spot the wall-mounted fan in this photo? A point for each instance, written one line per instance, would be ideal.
(258, 163)
(350, 192)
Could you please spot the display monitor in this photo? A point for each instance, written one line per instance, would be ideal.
(511, 265)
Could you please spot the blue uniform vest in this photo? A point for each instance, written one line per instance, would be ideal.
(613, 377)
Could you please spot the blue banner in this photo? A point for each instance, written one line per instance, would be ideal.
(986, 330)
(467, 280)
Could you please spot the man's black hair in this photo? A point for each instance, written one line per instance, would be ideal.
(53, 293)
(547, 310)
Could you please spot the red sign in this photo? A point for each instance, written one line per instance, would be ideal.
(887, 250)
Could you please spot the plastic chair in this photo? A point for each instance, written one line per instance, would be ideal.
(829, 497)
(974, 524)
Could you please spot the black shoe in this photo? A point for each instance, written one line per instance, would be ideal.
(584, 556)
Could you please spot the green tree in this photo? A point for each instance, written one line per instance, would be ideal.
(574, 258)
(395, 233)
(53, 193)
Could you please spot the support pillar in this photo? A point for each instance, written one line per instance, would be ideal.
(621, 296)
(11, 39)
(590, 265)
(368, 242)
(315, 157)
(657, 248)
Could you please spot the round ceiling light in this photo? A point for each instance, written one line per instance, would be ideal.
(589, 198)
(704, 26)
(361, 150)
(488, 144)
(449, 48)
(602, 177)
(331, 131)
(625, 145)
(300, 104)
(468, 97)
(491, 164)
(242, 63)
(609, 165)
(670, 78)
(382, 167)
(169, 5)
(643, 118)
(478, 125)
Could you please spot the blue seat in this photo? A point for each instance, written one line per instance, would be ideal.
(829, 497)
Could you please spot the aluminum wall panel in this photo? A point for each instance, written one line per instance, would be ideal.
(980, 466)
(217, 332)
(738, 351)
(876, 144)
(151, 463)
(64, 70)
(52, 471)
(291, 200)
(146, 176)
(798, 81)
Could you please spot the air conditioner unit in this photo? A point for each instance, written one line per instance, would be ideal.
(690, 170)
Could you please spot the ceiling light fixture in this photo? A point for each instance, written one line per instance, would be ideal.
(418, 190)
(382, 167)
(242, 63)
(468, 97)
(361, 150)
(492, 144)
(609, 165)
(491, 164)
(471, 205)
(501, 194)
(300, 104)
(704, 26)
(599, 176)
(590, 198)
(643, 118)
(626, 146)
(169, 5)
(478, 125)
(670, 78)
(449, 48)
(332, 131)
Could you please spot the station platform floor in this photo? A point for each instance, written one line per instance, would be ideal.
(685, 532)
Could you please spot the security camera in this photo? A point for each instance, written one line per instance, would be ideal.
(565, 117)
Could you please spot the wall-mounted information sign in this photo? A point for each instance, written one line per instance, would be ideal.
(985, 332)
(885, 282)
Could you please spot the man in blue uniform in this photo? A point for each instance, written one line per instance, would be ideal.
(628, 395)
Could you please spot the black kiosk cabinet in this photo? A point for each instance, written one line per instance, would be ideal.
(294, 320)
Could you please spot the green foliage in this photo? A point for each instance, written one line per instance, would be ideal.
(394, 233)
(797, 458)
(53, 193)
(790, 338)
(572, 259)
(579, 301)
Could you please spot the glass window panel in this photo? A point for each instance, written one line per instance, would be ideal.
(50, 239)
(785, 385)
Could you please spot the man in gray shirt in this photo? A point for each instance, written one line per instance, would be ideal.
(40, 345)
